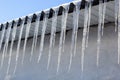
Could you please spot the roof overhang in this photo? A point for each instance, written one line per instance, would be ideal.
(109, 17)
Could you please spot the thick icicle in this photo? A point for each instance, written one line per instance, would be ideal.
(116, 14)
(89, 18)
(76, 13)
(11, 47)
(42, 36)
(26, 37)
(52, 37)
(7, 36)
(64, 26)
(62, 35)
(99, 31)
(118, 32)
(2, 36)
(18, 45)
(35, 35)
(84, 36)
(103, 15)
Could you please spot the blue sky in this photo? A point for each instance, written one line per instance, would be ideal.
(11, 9)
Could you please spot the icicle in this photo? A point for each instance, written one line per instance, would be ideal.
(118, 32)
(62, 35)
(52, 37)
(84, 36)
(116, 14)
(103, 15)
(2, 36)
(11, 47)
(6, 43)
(26, 37)
(35, 35)
(42, 36)
(99, 31)
(89, 18)
(64, 27)
(18, 45)
(76, 13)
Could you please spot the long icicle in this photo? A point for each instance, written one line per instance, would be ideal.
(52, 37)
(89, 19)
(118, 32)
(2, 36)
(35, 35)
(103, 15)
(64, 27)
(11, 46)
(84, 36)
(76, 13)
(6, 43)
(26, 37)
(116, 14)
(99, 31)
(42, 36)
(62, 35)
(18, 45)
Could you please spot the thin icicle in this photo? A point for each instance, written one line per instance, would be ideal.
(64, 27)
(116, 14)
(11, 47)
(6, 43)
(62, 35)
(118, 32)
(35, 36)
(26, 37)
(18, 46)
(2, 36)
(52, 37)
(89, 18)
(99, 31)
(84, 36)
(42, 36)
(103, 15)
(76, 13)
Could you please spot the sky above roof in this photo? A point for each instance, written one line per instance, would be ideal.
(11, 9)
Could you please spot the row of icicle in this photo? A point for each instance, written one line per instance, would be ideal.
(76, 13)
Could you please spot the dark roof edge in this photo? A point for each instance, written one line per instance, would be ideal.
(50, 12)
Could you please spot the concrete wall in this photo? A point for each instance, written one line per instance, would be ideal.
(108, 68)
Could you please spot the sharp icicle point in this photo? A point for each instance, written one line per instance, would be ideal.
(118, 31)
(26, 37)
(18, 46)
(85, 29)
(52, 37)
(7, 36)
(42, 37)
(35, 36)
(11, 47)
(76, 14)
(99, 31)
(62, 35)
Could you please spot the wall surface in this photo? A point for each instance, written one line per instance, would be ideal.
(108, 68)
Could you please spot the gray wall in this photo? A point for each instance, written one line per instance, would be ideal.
(108, 68)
